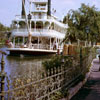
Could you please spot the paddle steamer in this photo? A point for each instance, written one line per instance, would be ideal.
(37, 33)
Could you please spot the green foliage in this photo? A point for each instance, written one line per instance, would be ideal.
(3, 29)
(57, 61)
(85, 51)
(78, 20)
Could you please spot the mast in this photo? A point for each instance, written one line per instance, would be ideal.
(23, 9)
(28, 19)
(49, 8)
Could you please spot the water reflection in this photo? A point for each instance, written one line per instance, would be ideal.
(15, 66)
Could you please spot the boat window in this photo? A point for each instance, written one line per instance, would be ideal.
(14, 25)
(42, 4)
(39, 25)
(52, 26)
(32, 24)
(40, 15)
(22, 24)
(47, 25)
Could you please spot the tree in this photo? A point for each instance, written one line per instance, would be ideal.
(3, 30)
(78, 20)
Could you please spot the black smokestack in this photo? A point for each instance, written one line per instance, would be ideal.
(23, 9)
(49, 8)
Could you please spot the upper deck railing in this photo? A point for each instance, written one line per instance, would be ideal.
(38, 30)
(38, 0)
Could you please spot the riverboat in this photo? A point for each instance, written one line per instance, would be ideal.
(36, 33)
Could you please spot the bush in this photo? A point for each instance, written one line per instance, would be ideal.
(58, 61)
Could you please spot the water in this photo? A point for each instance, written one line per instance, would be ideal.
(15, 66)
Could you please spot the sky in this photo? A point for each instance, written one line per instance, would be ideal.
(10, 8)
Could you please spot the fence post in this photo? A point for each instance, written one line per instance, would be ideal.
(2, 77)
(81, 58)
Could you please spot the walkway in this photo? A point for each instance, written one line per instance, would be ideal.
(91, 90)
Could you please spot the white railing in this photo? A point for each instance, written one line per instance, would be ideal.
(33, 46)
(41, 8)
(34, 30)
(40, 46)
(20, 30)
(18, 16)
(39, 32)
(39, 0)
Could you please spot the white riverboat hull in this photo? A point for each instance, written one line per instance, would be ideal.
(31, 52)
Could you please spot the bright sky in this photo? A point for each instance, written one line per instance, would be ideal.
(10, 8)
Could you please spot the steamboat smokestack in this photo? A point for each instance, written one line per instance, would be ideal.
(49, 8)
(23, 9)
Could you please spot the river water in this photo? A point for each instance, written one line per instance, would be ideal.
(15, 66)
